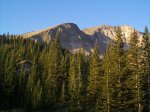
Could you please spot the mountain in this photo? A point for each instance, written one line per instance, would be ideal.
(74, 39)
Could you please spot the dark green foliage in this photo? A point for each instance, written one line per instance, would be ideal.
(115, 92)
(45, 77)
(77, 77)
(145, 69)
(120, 98)
(134, 60)
(94, 78)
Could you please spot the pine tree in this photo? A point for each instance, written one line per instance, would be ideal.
(64, 75)
(55, 69)
(106, 80)
(115, 94)
(37, 95)
(76, 81)
(118, 67)
(63, 93)
(31, 84)
(72, 78)
(94, 76)
(2, 73)
(134, 65)
(80, 79)
(145, 69)
(44, 80)
(9, 69)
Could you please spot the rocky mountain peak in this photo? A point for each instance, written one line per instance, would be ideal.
(68, 26)
(65, 26)
(74, 39)
(109, 31)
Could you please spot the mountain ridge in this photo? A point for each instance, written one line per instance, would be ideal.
(73, 38)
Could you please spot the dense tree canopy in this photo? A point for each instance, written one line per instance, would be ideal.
(45, 77)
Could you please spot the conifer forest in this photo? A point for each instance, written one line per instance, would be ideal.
(44, 77)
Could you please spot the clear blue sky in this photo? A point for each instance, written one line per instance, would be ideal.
(20, 16)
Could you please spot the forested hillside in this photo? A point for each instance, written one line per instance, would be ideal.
(44, 77)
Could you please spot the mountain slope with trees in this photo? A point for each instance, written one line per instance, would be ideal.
(44, 76)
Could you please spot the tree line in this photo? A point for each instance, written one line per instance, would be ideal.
(37, 76)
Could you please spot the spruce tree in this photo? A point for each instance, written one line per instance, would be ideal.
(118, 67)
(106, 80)
(145, 69)
(115, 94)
(37, 95)
(76, 73)
(95, 75)
(72, 80)
(81, 76)
(9, 69)
(135, 78)
(72, 73)
(30, 85)
(62, 98)
(54, 70)
(64, 75)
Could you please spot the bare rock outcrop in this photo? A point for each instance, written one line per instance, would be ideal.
(74, 39)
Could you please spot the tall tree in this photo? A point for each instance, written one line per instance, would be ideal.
(134, 65)
(94, 76)
(64, 75)
(55, 69)
(31, 83)
(75, 82)
(8, 77)
(72, 77)
(120, 94)
(37, 95)
(106, 82)
(145, 69)
(76, 79)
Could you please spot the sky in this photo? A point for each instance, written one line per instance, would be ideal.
(21, 16)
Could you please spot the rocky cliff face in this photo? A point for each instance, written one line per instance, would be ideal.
(109, 31)
(73, 39)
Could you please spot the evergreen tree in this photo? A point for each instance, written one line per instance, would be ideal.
(95, 75)
(8, 86)
(79, 80)
(118, 92)
(135, 78)
(72, 80)
(31, 85)
(54, 72)
(63, 93)
(76, 87)
(37, 95)
(58, 79)
(64, 75)
(145, 69)
(115, 92)
(106, 80)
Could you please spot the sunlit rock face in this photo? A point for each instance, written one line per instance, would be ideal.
(107, 31)
(74, 39)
